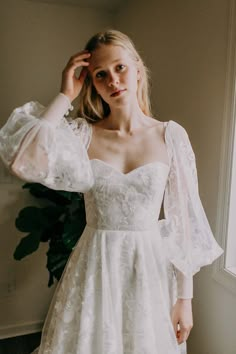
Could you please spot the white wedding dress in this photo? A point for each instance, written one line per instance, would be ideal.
(117, 291)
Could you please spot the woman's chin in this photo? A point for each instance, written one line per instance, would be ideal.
(121, 100)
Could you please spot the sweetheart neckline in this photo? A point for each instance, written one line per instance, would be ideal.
(135, 169)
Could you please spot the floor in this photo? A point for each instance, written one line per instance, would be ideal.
(20, 345)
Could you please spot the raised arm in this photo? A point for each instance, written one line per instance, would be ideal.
(38, 145)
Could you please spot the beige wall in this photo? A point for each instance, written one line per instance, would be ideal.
(37, 39)
(184, 43)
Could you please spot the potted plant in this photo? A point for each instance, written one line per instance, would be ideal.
(60, 223)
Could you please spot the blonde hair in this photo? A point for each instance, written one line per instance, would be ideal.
(91, 105)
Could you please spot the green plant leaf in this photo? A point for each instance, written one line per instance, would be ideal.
(34, 219)
(52, 213)
(57, 257)
(72, 231)
(57, 197)
(27, 245)
(52, 231)
(60, 224)
(31, 219)
(50, 280)
(57, 262)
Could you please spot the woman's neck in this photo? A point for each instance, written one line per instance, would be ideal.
(125, 119)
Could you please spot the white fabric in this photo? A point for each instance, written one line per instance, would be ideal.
(54, 112)
(37, 150)
(119, 299)
(184, 285)
(119, 286)
(57, 108)
(190, 243)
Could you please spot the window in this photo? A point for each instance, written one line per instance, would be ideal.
(225, 267)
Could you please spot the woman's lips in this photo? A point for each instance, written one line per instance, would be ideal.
(117, 93)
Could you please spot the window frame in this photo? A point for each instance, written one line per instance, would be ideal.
(221, 273)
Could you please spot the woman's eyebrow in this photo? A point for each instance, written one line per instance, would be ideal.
(100, 67)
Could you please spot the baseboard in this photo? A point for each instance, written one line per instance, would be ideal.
(20, 329)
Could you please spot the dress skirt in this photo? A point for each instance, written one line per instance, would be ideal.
(115, 297)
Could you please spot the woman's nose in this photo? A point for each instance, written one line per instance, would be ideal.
(113, 80)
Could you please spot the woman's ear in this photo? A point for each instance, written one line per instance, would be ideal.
(138, 74)
(138, 71)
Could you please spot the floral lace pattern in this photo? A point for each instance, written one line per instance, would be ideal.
(37, 151)
(118, 288)
(119, 298)
(186, 230)
(125, 201)
(112, 299)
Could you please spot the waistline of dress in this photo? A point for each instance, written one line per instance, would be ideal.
(154, 227)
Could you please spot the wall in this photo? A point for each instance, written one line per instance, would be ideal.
(184, 43)
(37, 40)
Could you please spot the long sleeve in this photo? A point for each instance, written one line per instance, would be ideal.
(38, 144)
(184, 285)
(188, 238)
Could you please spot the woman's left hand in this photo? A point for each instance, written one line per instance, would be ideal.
(182, 315)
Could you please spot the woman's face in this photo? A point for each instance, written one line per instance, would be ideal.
(114, 74)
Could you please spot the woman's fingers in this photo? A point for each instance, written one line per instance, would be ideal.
(80, 58)
(70, 68)
(83, 75)
(82, 54)
(71, 84)
(183, 333)
(182, 319)
(75, 62)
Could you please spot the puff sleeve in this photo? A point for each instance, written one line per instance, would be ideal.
(185, 229)
(38, 144)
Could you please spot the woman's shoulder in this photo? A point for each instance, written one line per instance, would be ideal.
(176, 129)
(167, 123)
(169, 127)
(82, 128)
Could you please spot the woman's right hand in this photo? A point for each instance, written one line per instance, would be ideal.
(72, 85)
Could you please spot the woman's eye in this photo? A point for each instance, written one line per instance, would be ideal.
(100, 74)
(120, 67)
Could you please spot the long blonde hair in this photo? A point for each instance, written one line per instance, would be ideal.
(91, 105)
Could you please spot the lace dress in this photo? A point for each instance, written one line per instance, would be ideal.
(118, 288)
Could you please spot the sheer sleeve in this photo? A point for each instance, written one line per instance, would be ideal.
(185, 228)
(38, 144)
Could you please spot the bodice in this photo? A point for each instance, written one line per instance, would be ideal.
(130, 201)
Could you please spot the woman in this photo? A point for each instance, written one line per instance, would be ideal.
(127, 287)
